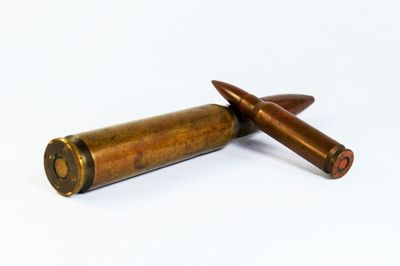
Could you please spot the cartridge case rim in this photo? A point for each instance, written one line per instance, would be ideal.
(76, 172)
(341, 163)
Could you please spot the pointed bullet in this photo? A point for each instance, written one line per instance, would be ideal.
(313, 145)
(294, 103)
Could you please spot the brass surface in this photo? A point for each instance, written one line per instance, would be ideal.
(305, 140)
(61, 168)
(89, 160)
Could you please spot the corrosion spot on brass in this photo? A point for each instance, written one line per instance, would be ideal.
(139, 161)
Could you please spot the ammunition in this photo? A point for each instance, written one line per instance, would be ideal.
(311, 144)
(89, 160)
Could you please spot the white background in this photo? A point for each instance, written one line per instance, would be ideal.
(71, 66)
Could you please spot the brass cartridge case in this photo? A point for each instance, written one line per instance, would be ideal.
(305, 140)
(89, 160)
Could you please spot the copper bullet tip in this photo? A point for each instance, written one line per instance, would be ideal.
(297, 102)
(233, 94)
(228, 91)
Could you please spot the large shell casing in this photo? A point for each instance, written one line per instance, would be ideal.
(133, 148)
(89, 160)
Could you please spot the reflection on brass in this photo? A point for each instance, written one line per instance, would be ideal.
(89, 160)
(313, 145)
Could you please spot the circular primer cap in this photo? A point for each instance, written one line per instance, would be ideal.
(341, 163)
(68, 165)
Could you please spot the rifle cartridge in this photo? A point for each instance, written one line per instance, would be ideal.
(89, 160)
(305, 140)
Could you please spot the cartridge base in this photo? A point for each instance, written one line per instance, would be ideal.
(341, 163)
(68, 165)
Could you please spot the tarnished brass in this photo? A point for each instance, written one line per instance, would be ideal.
(313, 145)
(89, 160)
